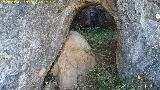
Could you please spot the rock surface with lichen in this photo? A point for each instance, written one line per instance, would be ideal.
(140, 39)
(31, 37)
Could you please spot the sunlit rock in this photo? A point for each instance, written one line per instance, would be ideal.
(75, 59)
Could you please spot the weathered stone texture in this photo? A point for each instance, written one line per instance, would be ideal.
(30, 40)
(31, 37)
(140, 38)
(73, 63)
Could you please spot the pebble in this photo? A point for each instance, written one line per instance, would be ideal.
(158, 16)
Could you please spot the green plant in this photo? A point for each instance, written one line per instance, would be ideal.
(103, 80)
(100, 79)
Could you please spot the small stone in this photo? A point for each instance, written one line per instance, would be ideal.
(139, 77)
(158, 16)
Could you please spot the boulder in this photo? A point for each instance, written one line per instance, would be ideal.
(140, 39)
(75, 59)
(31, 37)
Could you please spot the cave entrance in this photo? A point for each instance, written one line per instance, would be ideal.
(99, 29)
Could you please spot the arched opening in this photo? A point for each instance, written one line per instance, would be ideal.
(99, 28)
(103, 26)
(93, 16)
(105, 31)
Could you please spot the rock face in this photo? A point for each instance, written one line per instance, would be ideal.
(31, 38)
(140, 38)
(75, 59)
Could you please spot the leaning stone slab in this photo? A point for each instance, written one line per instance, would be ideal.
(74, 62)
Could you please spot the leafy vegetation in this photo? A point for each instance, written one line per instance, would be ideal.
(98, 79)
